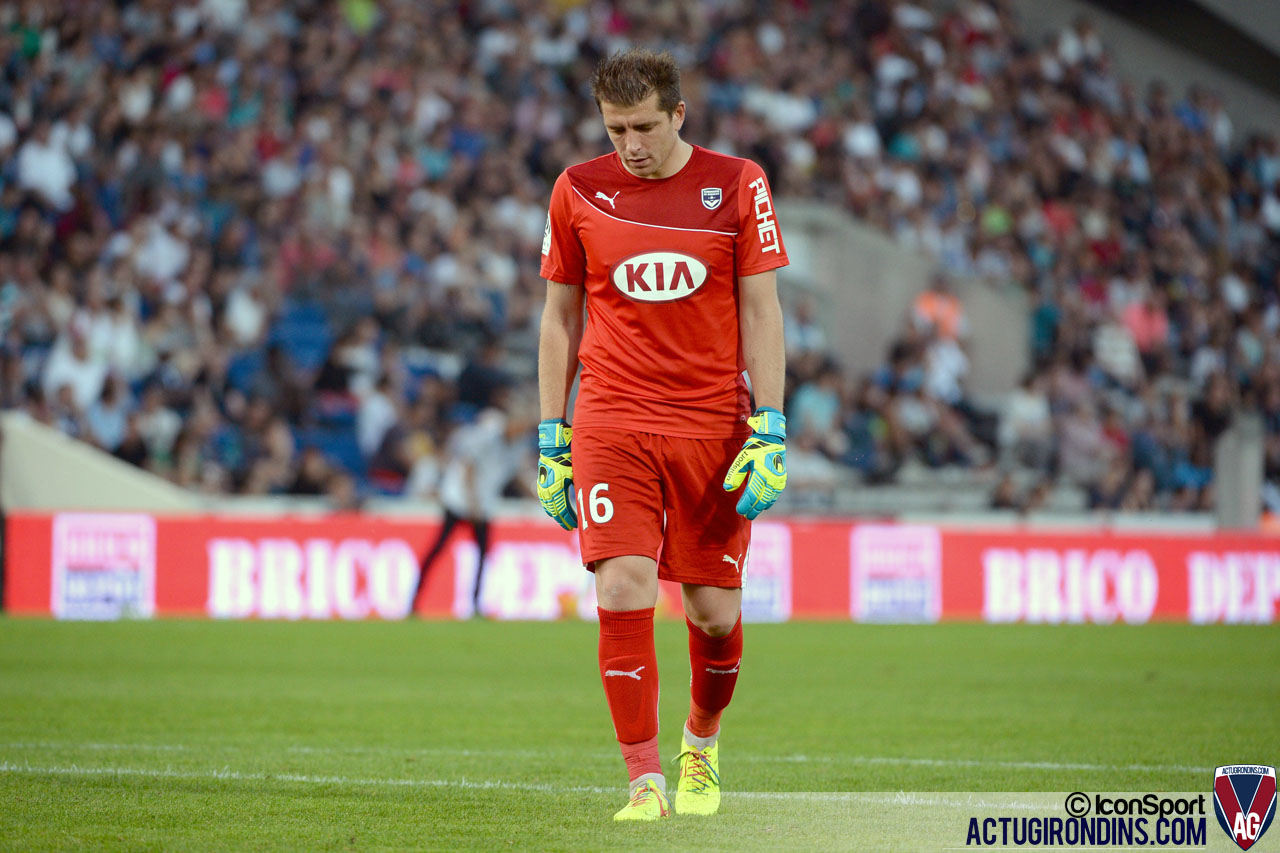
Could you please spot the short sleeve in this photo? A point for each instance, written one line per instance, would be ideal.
(563, 258)
(759, 243)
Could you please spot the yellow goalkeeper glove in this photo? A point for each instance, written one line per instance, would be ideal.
(555, 472)
(762, 462)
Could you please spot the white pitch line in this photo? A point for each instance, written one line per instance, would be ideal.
(973, 762)
(240, 776)
(227, 774)
(93, 746)
(604, 755)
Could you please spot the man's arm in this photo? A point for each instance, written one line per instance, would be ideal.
(762, 461)
(760, 323)
(558, 338)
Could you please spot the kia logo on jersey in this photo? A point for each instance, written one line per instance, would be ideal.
(658, 276)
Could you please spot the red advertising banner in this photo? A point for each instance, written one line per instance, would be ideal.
(113, 565)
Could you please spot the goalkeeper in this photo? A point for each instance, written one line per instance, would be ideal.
(673, 251)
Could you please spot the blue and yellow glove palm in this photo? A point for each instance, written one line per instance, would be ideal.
(762, 463)
(555, 472)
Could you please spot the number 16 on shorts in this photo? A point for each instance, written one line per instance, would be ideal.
(600, 505)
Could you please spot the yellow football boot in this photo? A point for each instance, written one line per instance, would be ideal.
(648, 802)
(698, 791)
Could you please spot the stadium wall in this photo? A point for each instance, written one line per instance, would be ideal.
(119, 565)
(1142, 56)
(45, 469)
(864, 284)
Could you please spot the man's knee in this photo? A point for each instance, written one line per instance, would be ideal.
(626, 583)
(715, 627)
(617, 585)
(713, 610)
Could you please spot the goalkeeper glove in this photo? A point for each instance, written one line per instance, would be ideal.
(555, 472)
(762, 462)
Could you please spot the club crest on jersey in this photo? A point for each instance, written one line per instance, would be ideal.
(711, 197)
(658, 276)
(1244, 799)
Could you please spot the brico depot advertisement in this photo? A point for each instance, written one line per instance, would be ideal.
(123, 565)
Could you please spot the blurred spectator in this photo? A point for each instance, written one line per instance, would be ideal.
(377, 414)
(814, 410)
(107, 419)
(342, 493)
(1026, 425)
(1082, 452)
(314, 474)
(132, 447)
(1005, 495)
(158, 424)
(71, 367)
(803, 333)
(45, 167)
(939, 311)
(482, 376)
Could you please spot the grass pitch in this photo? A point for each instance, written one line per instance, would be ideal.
(218, 735)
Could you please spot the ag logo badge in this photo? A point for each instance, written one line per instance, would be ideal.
(711, 197)
(1244, 799)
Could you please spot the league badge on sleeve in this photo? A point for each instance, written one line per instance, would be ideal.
(711, 197)
(1244, 799)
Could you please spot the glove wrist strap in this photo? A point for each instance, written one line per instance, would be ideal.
(554, 433)
(770, 422)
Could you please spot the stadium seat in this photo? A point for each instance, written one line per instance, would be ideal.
(243, 367)
(339, 446)
(303, 332)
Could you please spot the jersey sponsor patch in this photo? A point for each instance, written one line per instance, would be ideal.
(546, 236)
(766, 225)
(658, 276)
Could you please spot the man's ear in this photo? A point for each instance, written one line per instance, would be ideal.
(677, 116)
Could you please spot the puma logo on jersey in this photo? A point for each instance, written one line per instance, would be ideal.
(612, 206)
(727, 559)
(658, 276)
(725, 671)
(634, 673)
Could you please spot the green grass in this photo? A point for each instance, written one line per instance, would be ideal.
(215, 735)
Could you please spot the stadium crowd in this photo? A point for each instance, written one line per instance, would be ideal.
(275, 247)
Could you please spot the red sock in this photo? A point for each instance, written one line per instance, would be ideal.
(714, 663)
(629, 670)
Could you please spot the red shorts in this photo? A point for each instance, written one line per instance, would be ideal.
(660, 497)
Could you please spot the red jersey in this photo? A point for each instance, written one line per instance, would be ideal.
(660, 259)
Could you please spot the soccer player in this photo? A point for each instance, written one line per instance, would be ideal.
(673, 249)
(483, 457)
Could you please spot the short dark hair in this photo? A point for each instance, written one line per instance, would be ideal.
(627, 78)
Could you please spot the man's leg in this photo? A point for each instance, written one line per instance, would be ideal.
(626, 591)
(480, 527)
(714, 616)
(705, 548)
(446, 528)
(620, 528)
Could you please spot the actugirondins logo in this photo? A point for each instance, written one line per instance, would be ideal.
(1244, 798)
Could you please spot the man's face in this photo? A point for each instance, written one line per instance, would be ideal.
(643, 135)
